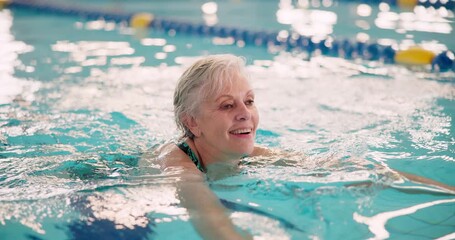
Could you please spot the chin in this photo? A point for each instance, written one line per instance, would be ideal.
(245, 150)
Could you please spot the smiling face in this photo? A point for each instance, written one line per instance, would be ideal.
(225, 125)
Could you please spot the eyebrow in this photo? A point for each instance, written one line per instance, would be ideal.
(250, 92)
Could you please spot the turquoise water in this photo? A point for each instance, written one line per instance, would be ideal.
(81, 102)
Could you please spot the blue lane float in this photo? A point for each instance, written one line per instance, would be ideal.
(444, 61)
(345, 48)
(436, 4)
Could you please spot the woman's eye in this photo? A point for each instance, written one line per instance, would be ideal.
(249, 102)
(227, 106)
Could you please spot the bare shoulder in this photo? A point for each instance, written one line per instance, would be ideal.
(278, 157)
(169, 156)
(262, 151)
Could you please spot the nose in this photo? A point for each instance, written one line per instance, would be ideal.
(243, 113)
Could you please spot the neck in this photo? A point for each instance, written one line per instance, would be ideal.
(209, 154)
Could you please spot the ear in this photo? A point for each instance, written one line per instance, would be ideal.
(192, 124)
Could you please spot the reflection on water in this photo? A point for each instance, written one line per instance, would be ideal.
(321, 19)
(421, 20)
(377, 223)
(306, 22)
(12, 88)
(122, 208)
(209, 10)
(128, 208)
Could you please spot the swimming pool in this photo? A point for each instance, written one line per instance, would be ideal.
(81, 101)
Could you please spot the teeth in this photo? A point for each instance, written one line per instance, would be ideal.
(240, 131)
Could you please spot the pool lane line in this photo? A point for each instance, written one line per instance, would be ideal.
(376, 224)
(283, 40)
(409, 4)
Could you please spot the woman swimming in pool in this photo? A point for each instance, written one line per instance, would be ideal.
(215, 109)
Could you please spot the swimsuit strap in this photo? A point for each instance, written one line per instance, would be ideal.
(187, 150)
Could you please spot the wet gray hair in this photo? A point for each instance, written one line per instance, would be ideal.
(204, 78)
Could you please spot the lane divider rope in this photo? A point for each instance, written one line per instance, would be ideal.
(346, 48)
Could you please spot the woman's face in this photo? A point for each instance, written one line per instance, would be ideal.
(227, 123)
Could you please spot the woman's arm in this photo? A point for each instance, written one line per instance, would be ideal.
(261, 151)
(427, 181)
(207, 214)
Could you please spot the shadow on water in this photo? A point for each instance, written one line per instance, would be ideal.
(105, 229)
(92, 227)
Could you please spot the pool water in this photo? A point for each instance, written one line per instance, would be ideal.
(82, 101)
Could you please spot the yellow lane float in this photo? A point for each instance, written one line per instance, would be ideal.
(407, 4)
(414, 56)
(4, 3)
(141, 20)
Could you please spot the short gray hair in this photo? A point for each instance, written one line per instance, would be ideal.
(206, 77)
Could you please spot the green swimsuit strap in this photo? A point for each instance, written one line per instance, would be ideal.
(187, 150)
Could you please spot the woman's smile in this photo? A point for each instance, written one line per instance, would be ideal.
(242, 133)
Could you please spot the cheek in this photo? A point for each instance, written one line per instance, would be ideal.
(215, 122)
(256, 115)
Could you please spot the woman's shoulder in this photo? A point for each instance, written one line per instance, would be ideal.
(278, 157)
(169, 155)
(261, 151)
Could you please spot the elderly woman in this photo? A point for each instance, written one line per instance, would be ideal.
(215, 109)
